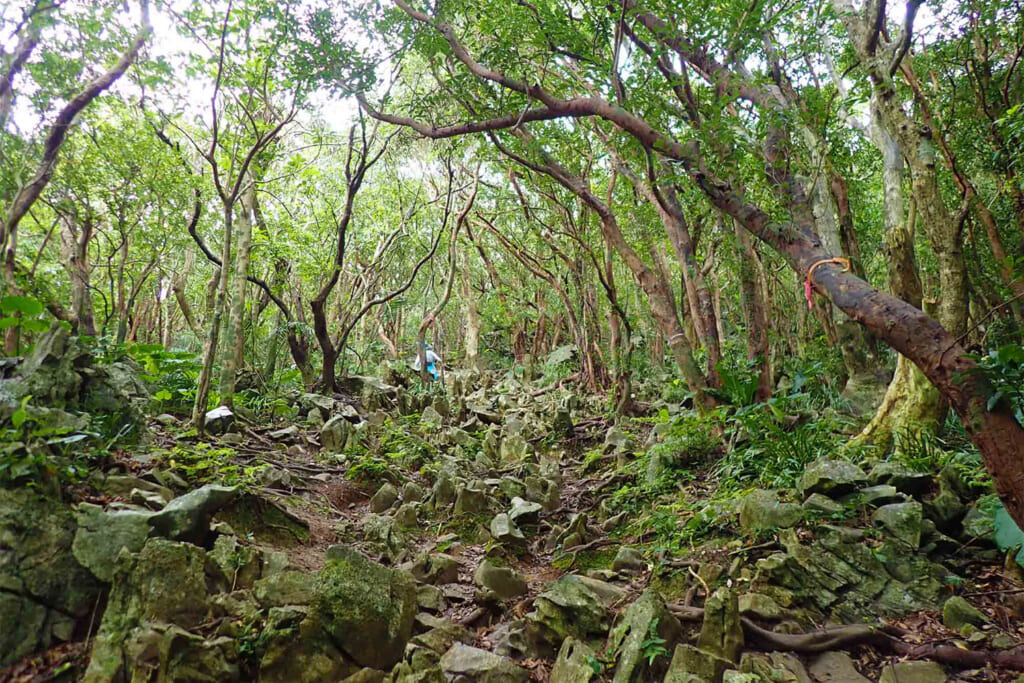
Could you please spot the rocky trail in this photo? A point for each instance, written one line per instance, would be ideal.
(486, 534)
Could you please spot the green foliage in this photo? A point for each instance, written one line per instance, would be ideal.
(369, 469)
(953, 451)
(22, 313)
(33, 448)
(774, 442)
(202, 463)
(653, 646)
(1003, 369)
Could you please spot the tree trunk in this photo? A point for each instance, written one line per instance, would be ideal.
(213, 334)
(234, 342)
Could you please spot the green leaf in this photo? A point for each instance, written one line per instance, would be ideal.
(18, 417)
(25, 305)
(163, 395)
(35, 325)
(7, 323)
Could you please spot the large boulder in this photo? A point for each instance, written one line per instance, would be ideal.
(43, 589)
(165, 583)
(366, 609)
(103, 533)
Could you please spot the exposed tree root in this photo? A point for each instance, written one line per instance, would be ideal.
(882, 636)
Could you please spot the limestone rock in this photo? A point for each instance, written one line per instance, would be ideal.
(902, 521)
(505, 582)
(504, 531)
(284, 588)
(628, 560)
(335, 433)
(575, 663)
(102, 534)
(43, 590)
(219, 420)
(430, 417)
(881, 494)
(646, 617)
(481, 665)
(571, 606)
(693, 665)
(958, 613)
(384, 498)
(831, 477)
(187, 518)
(365, 608)
(721, 632)
(471, 498)
(823, 504)
(524, 511)
(761, 509)
(760, 606)
(835, 667)
(297, 650)
(240, 563)
(434, 568)
(900, 476)
(913, 672)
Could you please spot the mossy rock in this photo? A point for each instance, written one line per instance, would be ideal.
(268, 524)
(366, 609)
(43, 589)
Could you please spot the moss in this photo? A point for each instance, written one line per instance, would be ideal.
(585, 560)
(672, 586)
(469, 527)
(267, 523)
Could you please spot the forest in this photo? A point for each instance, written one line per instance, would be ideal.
(437, 341)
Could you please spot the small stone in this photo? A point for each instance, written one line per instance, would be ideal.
(407, 515)
(504, 531)
(901, 520)
(819, 503)
(900, 476)
(957, 613)
(835, 667)
(628, 560)
(882, 494)
(524, 511)
(474, 664)
(831, 477)
(761, 509)
(913, 672)
(505, 582)
(288, 432)
(335, 433)
(384, 498)
(759, 605)
(232, 439)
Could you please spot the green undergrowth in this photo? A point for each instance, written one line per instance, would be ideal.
(203, 463)
(585, 560)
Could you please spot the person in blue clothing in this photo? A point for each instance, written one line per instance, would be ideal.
(432, 359)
